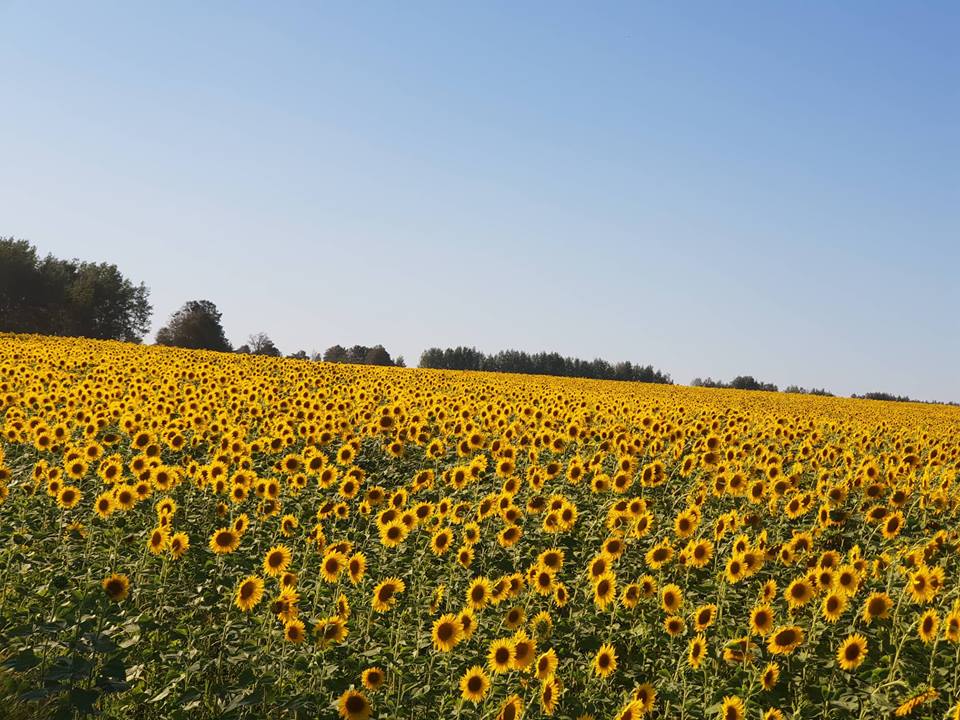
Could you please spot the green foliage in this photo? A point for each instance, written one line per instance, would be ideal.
(51, 296)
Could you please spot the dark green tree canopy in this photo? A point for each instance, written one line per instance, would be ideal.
(68, 297)
(197, 326)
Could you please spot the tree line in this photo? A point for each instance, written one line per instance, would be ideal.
(52, 296)
(67, 297)
(542, 363)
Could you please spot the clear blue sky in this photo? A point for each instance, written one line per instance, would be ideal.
(714, 188)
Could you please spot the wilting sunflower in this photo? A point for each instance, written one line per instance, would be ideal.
(474, 684)
(224, 540)
(249, 593)
(605, 661)
(912, 703)
(353, 705)
(852, 652)
(116, 586)
(277, 560)
(385, 594)
(447, 632)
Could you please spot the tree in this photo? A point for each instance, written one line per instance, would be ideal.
(68, 297)
(377, 355)
(196, 325)
(299, 355)
(261, 344)
(335, 354)
(105, 305)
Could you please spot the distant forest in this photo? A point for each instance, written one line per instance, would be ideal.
(542, 363)
(51, 296)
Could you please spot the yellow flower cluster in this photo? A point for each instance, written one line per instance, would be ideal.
(388, 541)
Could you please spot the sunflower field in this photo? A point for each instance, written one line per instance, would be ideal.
(201, 535)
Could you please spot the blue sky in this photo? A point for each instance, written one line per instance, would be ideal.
(713, 188)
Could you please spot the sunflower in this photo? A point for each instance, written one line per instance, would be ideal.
(514, 618)
(893, 524)
(512, 709)
(157, 542)
(877, 607)
(284, 606)
(332, 565)
(784, 640)
(356, 567)
(772, 714)
(500, 655)
(478, 593)
(951, 626)
(928, 625)
(605, 661)
(646, 695)
(524, 650)
(732, 708)
(704, 616)
(224, 540)
(549, 695)
(852, 652)
(353, 705)
(104, 505)
(447, 632)
(372, 678)
(799, 593)
(770, 676)
(674, 625)
(293, 631)
(671, 598)
(330, 631)
(833, 606)
(696, 651)
(546, 665)
(179, 544)
(68, 496)
(385, 594)
(116, 586)
(474, 684)
(276, 561)
(249, 592)
(761, 620)
(604, 590)
(441, 540)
